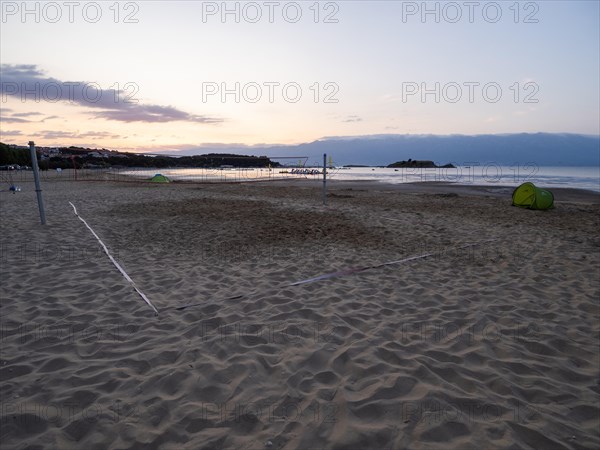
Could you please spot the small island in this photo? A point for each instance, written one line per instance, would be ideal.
(420, 164)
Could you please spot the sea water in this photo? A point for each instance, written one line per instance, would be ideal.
(468, 174)
(477, 175)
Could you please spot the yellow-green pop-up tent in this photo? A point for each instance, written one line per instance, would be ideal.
(159, 178)
(529, 196)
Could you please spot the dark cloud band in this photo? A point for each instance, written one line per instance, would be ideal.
(29, 83)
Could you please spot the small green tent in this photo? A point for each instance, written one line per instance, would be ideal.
(529, 196)
(159, 178)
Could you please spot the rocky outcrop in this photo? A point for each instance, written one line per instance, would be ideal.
(420, 164)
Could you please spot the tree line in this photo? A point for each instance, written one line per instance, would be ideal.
(74, 157)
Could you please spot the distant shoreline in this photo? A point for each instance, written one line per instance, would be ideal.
(562, 194)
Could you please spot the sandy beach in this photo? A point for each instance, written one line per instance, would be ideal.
(490, 342)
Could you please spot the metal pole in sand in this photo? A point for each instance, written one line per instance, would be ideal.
(36, 177)
(324, 179)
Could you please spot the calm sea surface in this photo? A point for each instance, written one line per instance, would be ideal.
(491, 174)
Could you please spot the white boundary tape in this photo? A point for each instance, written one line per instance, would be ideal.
(127, 277)
(348, 271)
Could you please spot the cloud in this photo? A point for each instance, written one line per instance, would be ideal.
(52, 134)
(27, 82)
(10, 133)
(49, 118)
(94, 135)
(152, 113)
(13, 120)
(26, 114)
(493, 119)
(389, 98)
(352, 119)
(524, 112)
(98, 135)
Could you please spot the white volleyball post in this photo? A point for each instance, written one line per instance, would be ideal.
(36, 177)
(324, 179)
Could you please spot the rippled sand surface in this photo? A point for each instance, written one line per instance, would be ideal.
(492, 341)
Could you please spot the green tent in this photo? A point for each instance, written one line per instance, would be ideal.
(159, 178)
(529, 196)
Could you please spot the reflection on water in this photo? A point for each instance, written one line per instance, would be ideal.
(473, 174)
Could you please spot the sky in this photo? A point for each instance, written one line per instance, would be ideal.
(168, 76)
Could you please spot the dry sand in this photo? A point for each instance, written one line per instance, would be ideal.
(491, 346)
